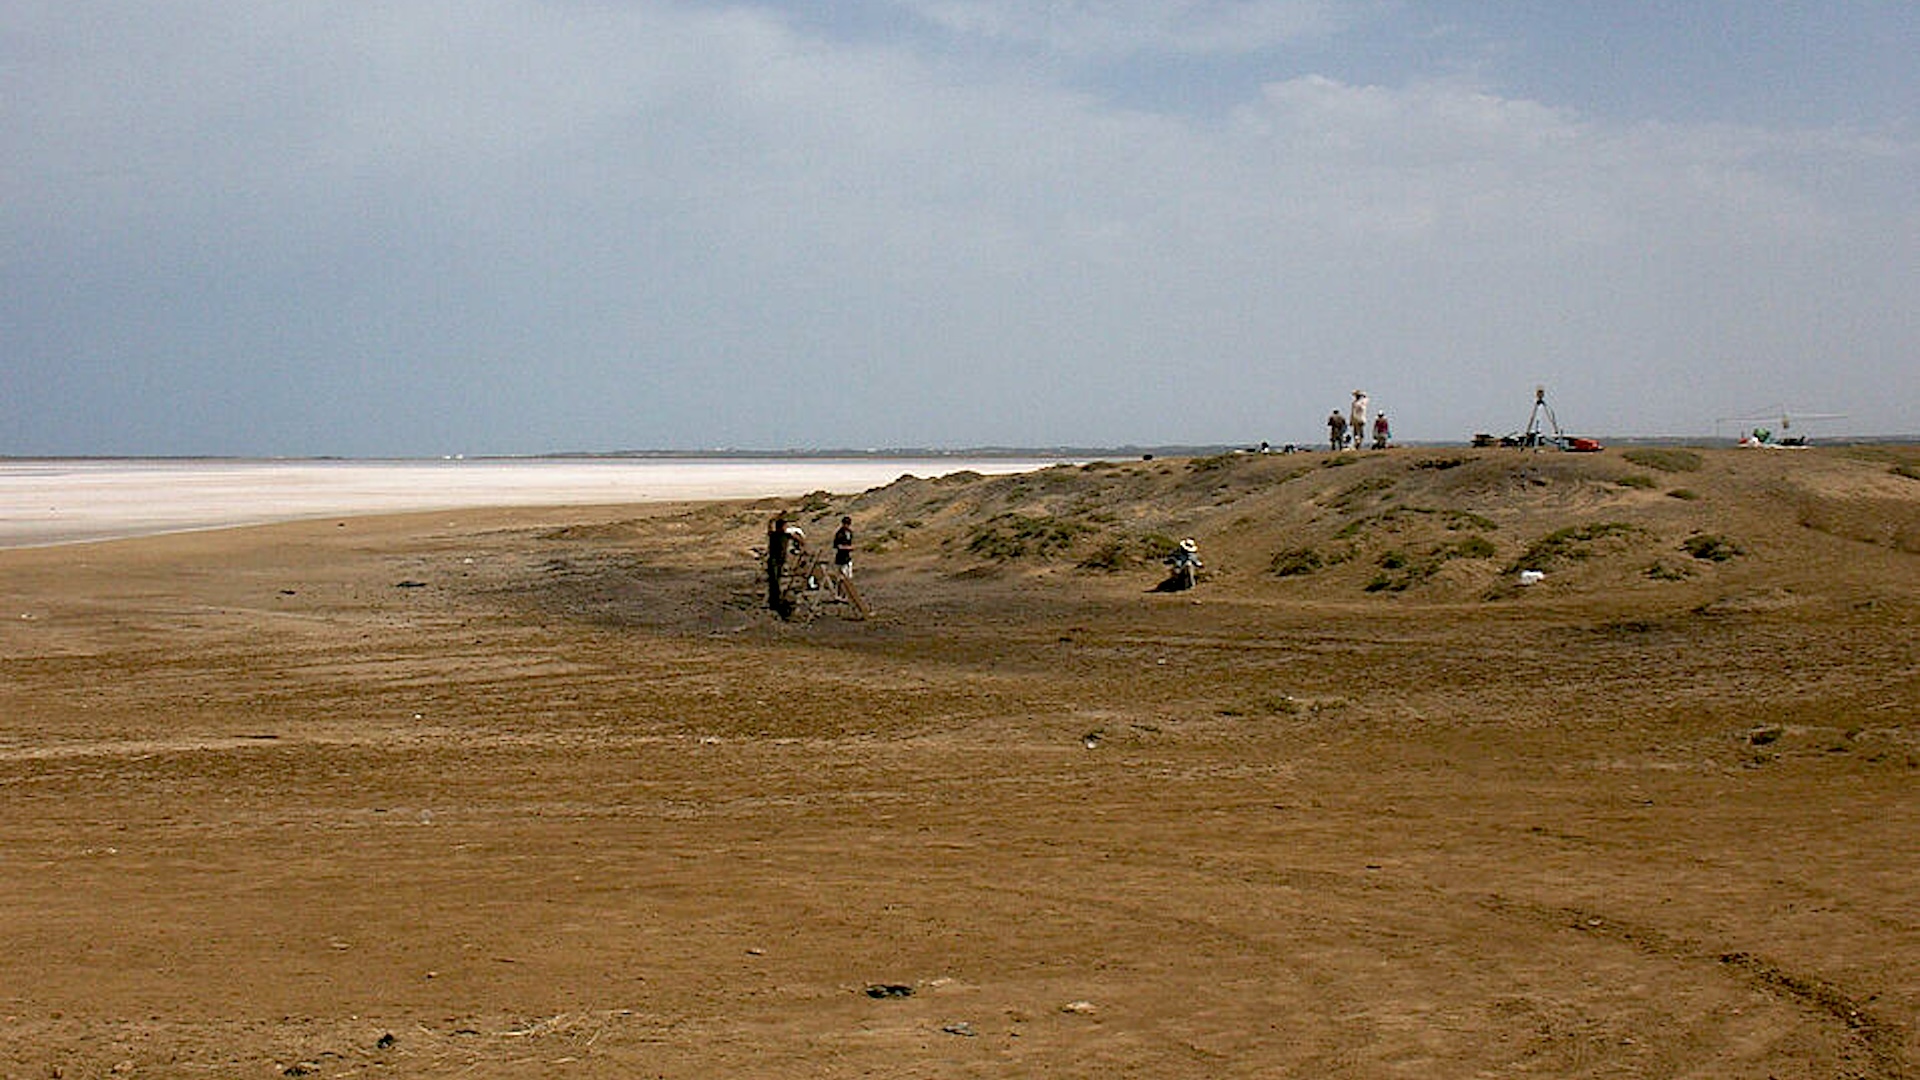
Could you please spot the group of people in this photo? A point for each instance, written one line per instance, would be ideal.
(787, 547)
(1349, 429)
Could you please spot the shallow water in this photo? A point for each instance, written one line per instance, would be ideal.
(54, 502)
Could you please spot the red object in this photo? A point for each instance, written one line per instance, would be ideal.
(1584, 446)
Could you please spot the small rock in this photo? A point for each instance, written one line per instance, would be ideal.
(961, 1028)
(385, 1042)
(1079, 1008)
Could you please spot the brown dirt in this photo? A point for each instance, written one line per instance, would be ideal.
(547, 793)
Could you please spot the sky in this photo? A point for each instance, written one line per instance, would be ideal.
(429, 227)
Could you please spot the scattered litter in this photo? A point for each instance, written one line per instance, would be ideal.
(409, 584)
(1091, 740)
(961, 1028)
(1532, 577)
(889, 990)
(1078, 1008)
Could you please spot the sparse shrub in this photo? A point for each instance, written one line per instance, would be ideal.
(1362, 490)
(1473, 547)
(1571, 543)
(1665, 571)
(1209, 464)
(1401, 569)
(1683, 494)
(1638, 480)
(1014, 536)
(1441, 463)
(1911, 472)
(1296, 561)
(1454, 520)
(814, 502)
(1126, 552)
(1664, 458)
(1711, 548)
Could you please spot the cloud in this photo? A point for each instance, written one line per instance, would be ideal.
(508, 225)
(1120, 28)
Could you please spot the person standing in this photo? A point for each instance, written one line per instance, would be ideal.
(843, 548)
(1382, 434)
(777, 541)
(1336, 430)
(1357, 419)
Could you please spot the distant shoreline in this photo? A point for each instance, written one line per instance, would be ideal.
(45, 501)
(1025, 453)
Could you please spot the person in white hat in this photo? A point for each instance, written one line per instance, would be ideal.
(1185, 560)
(1357, 418)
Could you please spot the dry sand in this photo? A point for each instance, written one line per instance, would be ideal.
(548, 793)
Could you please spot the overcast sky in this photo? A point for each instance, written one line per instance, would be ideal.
(423, 227)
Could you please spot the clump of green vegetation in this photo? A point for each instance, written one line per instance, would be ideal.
(1294, 562)
(1441, 463)
(1400, 570)
(1911, 472)
(1683, 494)
(1710, 547)
(1397, 572)
(1473, 547)
(814, 502)
(1665, 571)
(1015, 536)
(1664, 458)
(1638, 480)
(1099, 466)
(1572, 543)
(1362, 490)
(1126, 552)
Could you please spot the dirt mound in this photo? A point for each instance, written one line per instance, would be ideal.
(1441, 525)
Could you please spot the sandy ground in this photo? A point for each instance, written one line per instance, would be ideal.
(548, 793)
